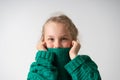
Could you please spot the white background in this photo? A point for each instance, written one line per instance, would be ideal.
(20, 28)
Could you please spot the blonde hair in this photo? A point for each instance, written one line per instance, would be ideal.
(66, 21)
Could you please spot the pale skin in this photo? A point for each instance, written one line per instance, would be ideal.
(57, 36)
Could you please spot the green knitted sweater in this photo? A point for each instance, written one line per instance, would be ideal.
(55, 64)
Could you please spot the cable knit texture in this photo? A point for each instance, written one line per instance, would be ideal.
(55, 64)
(60, 60)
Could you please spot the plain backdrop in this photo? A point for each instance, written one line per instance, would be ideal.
(20, 28)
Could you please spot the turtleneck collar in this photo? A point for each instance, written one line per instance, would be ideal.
(61, 55)
(60, 60)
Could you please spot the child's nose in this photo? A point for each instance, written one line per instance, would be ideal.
(57, 44)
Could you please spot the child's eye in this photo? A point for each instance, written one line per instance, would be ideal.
(50, 39)
(64, 38)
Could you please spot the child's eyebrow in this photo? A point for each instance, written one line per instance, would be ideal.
(50, 36)
(62, 35)
(65, 35)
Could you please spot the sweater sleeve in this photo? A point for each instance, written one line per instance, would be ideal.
(83, 68)
(42, 68)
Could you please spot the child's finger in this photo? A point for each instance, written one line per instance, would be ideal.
(41, 45)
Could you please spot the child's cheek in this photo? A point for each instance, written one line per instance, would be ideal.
(49, 45)
(68, 44)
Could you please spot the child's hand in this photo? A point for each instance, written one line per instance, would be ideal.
(41, 46)
(75, 49)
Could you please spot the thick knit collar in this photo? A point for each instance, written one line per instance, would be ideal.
(60, 60)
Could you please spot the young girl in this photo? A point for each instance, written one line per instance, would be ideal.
(57, 57)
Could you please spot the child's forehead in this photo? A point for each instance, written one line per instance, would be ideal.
(56, 28)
